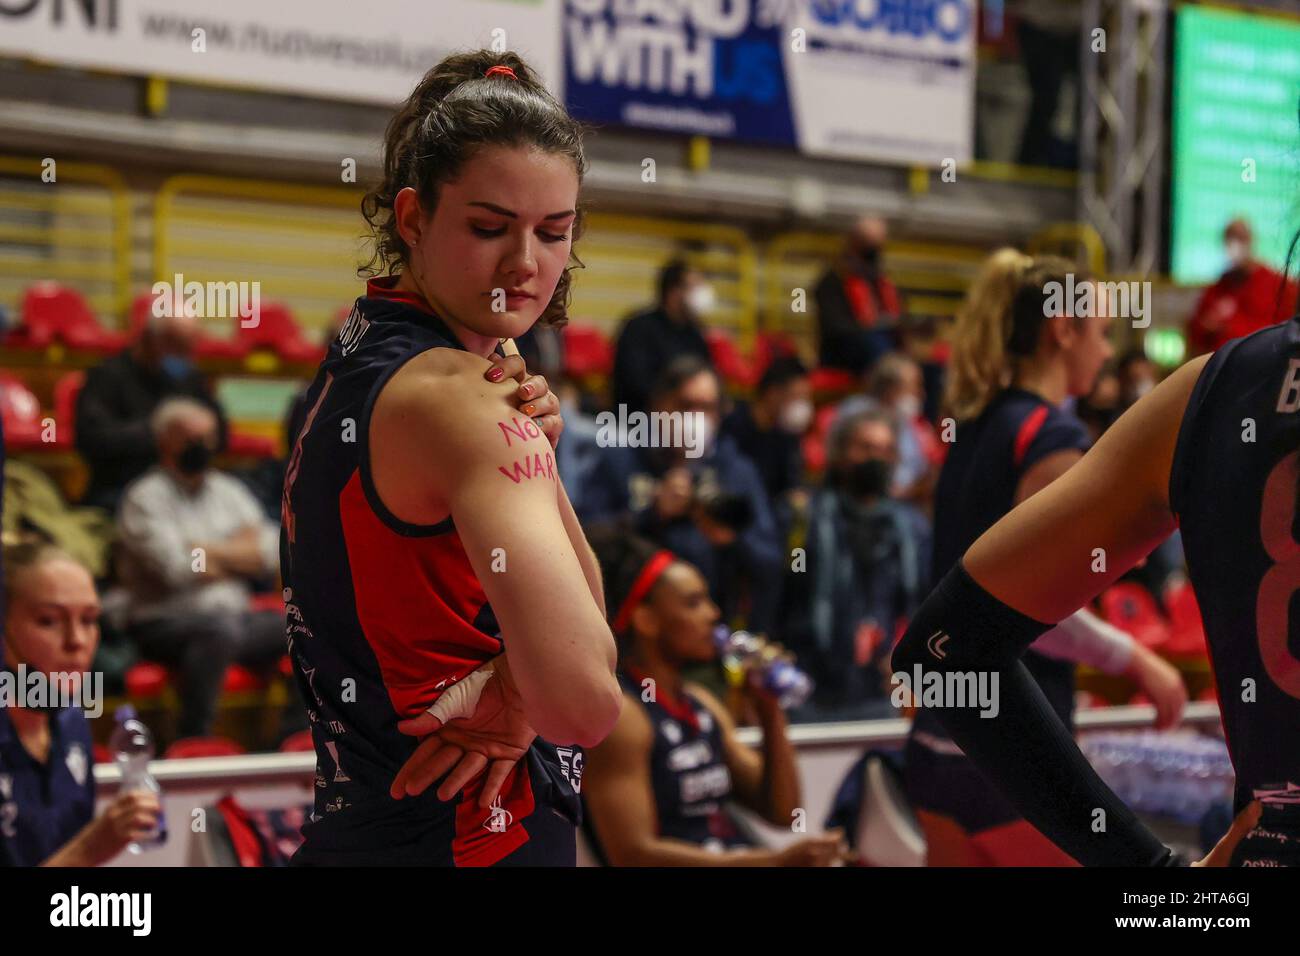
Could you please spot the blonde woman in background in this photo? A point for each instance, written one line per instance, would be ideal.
(1014, 362)
(47, 787)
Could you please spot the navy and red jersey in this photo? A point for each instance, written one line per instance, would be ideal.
(977, 487)
(1233, 487)
(44, 804)
(383, 616)
(688, 768)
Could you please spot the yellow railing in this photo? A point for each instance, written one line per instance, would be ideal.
(933, 276)
(1069, 239)
(302, 244)
(53, 230)
(919, 176)
(623, 256)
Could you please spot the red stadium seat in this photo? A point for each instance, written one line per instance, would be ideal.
(299, 742)
(20, 411)
(771, 346)
(52, 312)
(244, 445)
(149, 679)
(189, 747)
(146, 679)
(736, 370)
(587, 352)
(241, 680)
(832, 384)
(1130, 607)
(66, 390)
(278, 332)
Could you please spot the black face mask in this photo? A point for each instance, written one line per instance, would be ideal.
(868, 479)
(868, 259)
(194, 458)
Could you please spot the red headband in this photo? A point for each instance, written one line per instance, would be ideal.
(503, 70)
(641, 587)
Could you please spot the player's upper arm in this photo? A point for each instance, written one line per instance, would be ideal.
(467, 450)
(1058, 549)
(1045, 471)
(617, 788)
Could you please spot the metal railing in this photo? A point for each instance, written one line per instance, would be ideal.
(277, 768)
(75, 229)
(302, 244)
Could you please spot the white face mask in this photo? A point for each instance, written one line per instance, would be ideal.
(700, 300)
(796, 416)
(908, 407)
(1236, 251)
(702, 436)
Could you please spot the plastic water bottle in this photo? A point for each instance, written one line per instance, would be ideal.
(742, 652)
(1174, 774)
(132, 747)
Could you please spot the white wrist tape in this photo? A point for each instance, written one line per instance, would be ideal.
(460, 699)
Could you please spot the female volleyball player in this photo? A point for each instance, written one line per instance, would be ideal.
(1013, 364)
(426, 537)
(47, 801)
(659, 783)
(1212, 450)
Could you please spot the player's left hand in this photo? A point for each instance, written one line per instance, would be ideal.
(533, 397)
(489, 742)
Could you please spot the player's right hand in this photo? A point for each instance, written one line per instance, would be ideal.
(825, 849)
(130, 817)
(1161, 682)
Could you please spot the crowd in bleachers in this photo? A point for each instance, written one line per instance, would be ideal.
(806, 508)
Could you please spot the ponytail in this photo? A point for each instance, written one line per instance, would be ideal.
(978, 368)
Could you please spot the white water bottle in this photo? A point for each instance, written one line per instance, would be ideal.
(132, 746)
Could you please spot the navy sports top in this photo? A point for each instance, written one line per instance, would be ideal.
(688, 769)
(1233, 487)
(44, 805)
(382, 616)
(977, 487)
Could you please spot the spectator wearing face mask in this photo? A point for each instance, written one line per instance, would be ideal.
(769, 429)
(858, 307)
(114, 405)
(192, 541)
(897, 386)
(651, 339)
(708, 507)
(868, 556)
(1248, 296)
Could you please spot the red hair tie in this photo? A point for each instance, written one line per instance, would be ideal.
(503, 70)
(645, 580)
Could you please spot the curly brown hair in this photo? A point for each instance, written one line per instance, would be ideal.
(453, 112)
